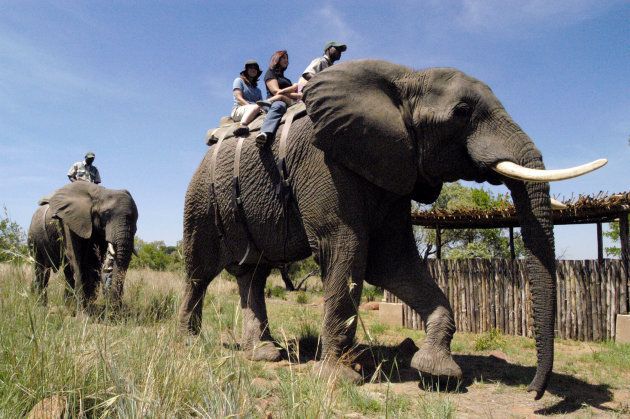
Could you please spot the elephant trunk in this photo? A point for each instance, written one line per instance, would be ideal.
(532, 203)
(123, 245)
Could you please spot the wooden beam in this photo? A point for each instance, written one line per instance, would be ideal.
(438, 243)
(512, 252)
(600, 244)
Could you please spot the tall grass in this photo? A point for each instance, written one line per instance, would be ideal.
(138, 365)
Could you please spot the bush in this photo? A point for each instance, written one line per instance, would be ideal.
(490, 340)
(301, 298)
(157, 256)
(275, 291)
(12, 240)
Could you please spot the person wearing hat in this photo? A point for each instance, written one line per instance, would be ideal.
(246, 94)
(84, 170)
(332, 53)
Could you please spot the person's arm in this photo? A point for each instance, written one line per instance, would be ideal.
(97, 176)
(72, 173)
(273, 86)
(238, 95)
(287, 90)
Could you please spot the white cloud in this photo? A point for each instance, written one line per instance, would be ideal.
(508, 14)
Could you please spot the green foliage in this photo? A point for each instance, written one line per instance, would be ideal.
(371, 293)
(301, 298)
(157, 256)
(469, 243)
(300, 269)
(490, 340)
(275, 291)
(613, 234)
(12, 240)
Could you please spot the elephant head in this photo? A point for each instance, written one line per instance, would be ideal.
(409, 131)
(100, 216)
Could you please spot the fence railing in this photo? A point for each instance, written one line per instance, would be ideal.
(487, 294)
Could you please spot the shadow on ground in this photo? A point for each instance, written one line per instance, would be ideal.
(392, 363)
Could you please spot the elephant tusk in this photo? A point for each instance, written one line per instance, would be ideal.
(514, 171)
(557, 205)
(110, 249)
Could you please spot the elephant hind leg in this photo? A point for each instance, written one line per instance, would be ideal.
(256, 339)
(40, 282)
(191, 307)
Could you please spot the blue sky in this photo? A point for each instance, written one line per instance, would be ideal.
(140, 82)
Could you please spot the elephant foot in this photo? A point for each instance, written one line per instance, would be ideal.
(436, 362)
(263, 351)
(334, 369)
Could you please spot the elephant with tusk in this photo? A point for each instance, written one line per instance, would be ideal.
(87, 230)
(377, 136)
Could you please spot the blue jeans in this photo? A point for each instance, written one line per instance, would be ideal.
(274, 115)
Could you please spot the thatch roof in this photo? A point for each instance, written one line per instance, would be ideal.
(584, 209)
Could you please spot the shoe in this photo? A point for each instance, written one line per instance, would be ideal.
(261, 139)
(263, 103)
(241, 130)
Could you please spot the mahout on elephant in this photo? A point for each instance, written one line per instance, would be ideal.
(377, 136)
(74, 229)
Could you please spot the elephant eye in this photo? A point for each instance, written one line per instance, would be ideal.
(462, 110)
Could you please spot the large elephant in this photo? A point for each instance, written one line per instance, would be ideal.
(377, 136)
(73, 229)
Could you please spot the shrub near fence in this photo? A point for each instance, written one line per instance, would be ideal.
(494, 294)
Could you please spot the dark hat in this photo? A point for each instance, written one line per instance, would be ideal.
(89, 155)
(251, 63)
(341, 47)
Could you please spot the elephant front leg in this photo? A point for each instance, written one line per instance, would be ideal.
(394, 264)
(256, 339)
(426, 298)
(343, 267)
(74, 255)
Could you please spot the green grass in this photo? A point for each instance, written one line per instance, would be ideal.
(138, 365)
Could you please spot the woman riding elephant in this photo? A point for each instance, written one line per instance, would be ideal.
(377, 136)
(76, 228)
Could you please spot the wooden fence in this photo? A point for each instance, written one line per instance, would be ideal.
(487, 294)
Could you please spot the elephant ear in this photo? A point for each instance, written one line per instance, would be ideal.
(73, 205)
(359, 120)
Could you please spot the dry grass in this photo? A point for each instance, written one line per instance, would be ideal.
(139, 365)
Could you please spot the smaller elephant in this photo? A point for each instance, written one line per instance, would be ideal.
(78, 229)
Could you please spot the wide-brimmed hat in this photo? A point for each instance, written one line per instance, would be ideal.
(251, 63)
(341, 47)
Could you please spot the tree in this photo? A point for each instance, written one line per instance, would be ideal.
(157, 256)
(613, 234)
(12, 240)
(468, 243)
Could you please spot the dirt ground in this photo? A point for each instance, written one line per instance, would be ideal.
(494, 385)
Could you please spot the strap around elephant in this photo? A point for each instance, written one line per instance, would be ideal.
(217, 215)
(282, 156)
(239, 211)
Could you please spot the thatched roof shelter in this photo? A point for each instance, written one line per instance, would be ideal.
(583, 209)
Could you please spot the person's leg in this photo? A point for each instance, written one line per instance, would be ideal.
(270, 124)
(245, 114)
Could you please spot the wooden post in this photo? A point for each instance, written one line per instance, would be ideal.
(600, 244)
(625, 256)
(438, 242)
(512, 252)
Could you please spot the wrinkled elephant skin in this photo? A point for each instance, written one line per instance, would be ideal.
(377, 136)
